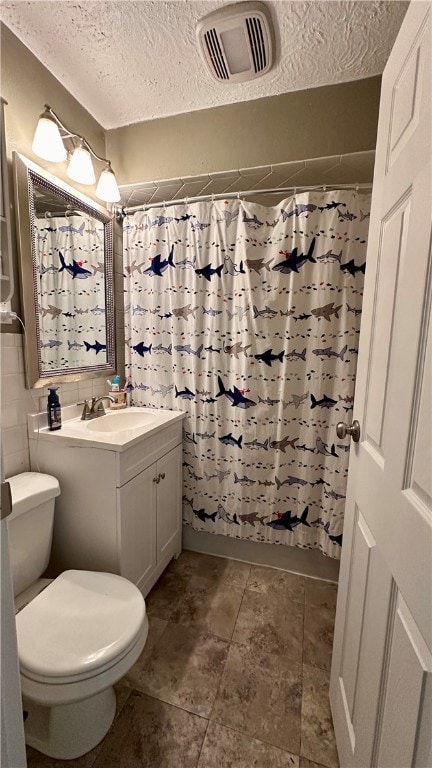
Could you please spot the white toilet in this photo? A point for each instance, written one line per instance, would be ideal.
(77, 634)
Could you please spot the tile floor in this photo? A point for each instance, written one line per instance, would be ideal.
(234, 674)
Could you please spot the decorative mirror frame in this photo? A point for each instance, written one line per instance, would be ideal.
(25, 174)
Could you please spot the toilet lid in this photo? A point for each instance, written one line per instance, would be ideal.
(80, 622)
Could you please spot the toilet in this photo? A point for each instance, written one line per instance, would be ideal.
(77, 634)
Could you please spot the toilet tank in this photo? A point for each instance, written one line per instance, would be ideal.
(30, 526)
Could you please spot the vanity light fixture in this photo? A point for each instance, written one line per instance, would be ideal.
(107, 188)
(80, 166)
(49, 143)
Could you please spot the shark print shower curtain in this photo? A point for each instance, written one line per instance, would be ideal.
(71, 295)
(247, 318)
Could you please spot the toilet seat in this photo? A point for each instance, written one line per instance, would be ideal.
(79, 627)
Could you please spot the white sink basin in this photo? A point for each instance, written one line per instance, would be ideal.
(121, 421)
(116, 430)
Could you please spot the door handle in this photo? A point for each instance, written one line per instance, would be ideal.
(156, 479)
(342, 430)
(162, 476)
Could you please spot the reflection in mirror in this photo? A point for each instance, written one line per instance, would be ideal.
(67, 262)
(70, 261)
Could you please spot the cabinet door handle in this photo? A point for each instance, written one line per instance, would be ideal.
(162, 475)
(156, 479)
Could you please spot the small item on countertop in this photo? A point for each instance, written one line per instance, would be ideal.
(54, 409)
(120, 400)
(115, 384)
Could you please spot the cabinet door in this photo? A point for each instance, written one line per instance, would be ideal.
(169, 469)
(137, 526)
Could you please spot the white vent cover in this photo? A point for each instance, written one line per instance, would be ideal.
(236, 42)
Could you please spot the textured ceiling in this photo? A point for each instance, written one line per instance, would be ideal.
(128, 61)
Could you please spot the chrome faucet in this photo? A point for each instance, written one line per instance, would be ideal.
(98, 401)
(90, 411)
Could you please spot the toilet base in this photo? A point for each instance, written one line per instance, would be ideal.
(66, 731)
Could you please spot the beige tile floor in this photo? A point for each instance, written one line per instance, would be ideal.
(234, 674)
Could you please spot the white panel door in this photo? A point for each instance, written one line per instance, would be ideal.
(381, 679)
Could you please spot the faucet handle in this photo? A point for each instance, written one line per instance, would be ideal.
(86, 410)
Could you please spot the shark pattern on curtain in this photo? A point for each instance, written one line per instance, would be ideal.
(71, 295)
(247, 318)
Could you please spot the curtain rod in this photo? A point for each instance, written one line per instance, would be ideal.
(60, 214)
(122, 212)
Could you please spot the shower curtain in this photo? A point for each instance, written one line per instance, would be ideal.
(247, 318)
(70, 267)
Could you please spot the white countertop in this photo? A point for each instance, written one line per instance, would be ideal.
(75, 431)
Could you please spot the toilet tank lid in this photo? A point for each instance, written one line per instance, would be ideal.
(30, 489)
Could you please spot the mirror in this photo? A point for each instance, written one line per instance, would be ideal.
(66, 259)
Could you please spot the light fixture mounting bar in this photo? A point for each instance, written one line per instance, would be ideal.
(50, 143)
(71, 134)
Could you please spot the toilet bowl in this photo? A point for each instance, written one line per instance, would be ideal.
(77, 635)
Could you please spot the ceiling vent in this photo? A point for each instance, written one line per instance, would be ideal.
(236, 42)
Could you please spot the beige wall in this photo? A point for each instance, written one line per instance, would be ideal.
(331, 120)
(27, 85)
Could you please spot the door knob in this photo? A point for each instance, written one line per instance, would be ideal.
(156, 479)
(162, 475)
(342, 430)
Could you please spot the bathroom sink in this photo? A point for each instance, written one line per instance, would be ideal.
(116, 430)
(121, 421)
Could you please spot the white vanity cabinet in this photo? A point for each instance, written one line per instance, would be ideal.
(157, 491)
(119, 510)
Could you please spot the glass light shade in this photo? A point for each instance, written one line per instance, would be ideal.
(47, 142)
(80, 166)
(107, 188)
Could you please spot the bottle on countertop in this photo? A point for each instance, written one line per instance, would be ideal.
(114, 384)
(54, 409)
(114, 392)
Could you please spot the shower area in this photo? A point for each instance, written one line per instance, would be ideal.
(247, 317)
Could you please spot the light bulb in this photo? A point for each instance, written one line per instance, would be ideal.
(47, 142)
(107, 188)
(80, 166)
